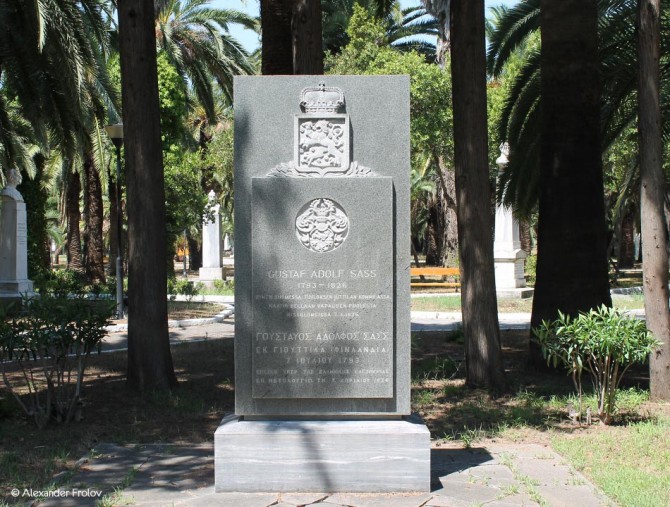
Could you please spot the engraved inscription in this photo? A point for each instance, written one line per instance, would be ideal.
(321, 225)
(21, 233)
(332, 328)
(322, 295)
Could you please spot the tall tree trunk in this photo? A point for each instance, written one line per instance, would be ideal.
(475, 223)
(149, 359)
(276, 38)
(74, 261)
(434, 234)
(306, 29)
(35, 196)
(113, 214)
(654, 225)
(291, 41)
(450, 240)
(194, 253)
(572, 235)
(95, 264)
(627, 240)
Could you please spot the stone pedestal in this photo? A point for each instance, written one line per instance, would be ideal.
(211, 243)
(14, 281)
(507, 253)
(322, 456)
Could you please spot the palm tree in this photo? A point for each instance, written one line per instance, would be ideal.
(46, 51)
(52, 65)
(516, 29)
(572, 236)
(196, 41)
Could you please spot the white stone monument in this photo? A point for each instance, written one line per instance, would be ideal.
(14, 281)
(211, 242)
(507, 252)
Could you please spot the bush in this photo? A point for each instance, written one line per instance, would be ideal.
(61, 282)
(604, 342)
(224, 286)
(51, 341)
(183, 288)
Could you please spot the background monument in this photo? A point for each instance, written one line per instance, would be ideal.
(322, 332)
(14, 281)
(212, 268)
(507, 252)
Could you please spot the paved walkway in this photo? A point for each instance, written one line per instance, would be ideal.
(223, 327)
(182, 475)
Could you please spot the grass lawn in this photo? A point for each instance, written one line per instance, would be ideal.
(453, 304)
(630, 463)
(179, 310)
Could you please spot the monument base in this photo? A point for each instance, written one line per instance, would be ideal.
(210, 274)
(328, 456)
(16, 289)
(509, 269)
(519, 293)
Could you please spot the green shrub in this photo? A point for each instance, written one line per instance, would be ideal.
(50, 342)
(183, 288)
(604, 342)
(224, 286)
(61, 282)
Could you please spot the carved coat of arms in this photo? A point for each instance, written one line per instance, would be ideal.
(322, 225)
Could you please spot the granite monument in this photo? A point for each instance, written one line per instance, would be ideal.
(322, 337)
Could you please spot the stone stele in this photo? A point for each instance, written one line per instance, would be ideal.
(14, 282)
(322, 331)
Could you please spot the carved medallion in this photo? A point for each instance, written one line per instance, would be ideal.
(321, 225)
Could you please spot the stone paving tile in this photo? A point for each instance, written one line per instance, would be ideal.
(229, 500)
(520, 500)
(300, 499)
(561, 496)
(376, 500)
(465, 494)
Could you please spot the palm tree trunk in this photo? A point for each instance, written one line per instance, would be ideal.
(525, 237)
(95, 265)
(654, 225)
(150, 364)
(483, 354)
(572, 235)
(74, 260)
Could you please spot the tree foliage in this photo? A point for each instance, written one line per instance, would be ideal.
(368, 52)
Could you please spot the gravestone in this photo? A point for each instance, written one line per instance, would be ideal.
(14, 281)
(322, 331)
(211, 242)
